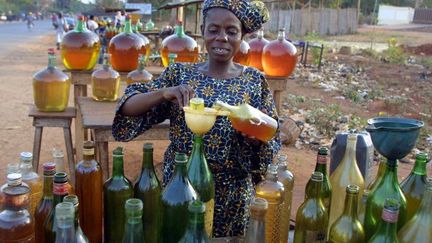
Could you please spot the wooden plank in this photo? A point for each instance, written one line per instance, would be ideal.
(52, 122)
(37, 147)
(69, 151)
(69, 112)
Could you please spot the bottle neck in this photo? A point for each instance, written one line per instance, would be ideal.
(281, 35)
(26, 168)
(234, 110)
(180, 170)
(106, 63)
(321, 164)
(128, 27)
(48, 186)
(118, 166)
(198, 146)
(390, 173)
(60, 190)
(260, 34)
(51, 61)
(316, 189)
(351, 205)
(80, 26)
(196, 222)
(419, 167)
(147, 161)
(88, 154)
(59, 162)
(180, 31)
(349, 158)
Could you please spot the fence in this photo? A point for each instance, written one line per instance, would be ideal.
(324, 21)
(422, 16)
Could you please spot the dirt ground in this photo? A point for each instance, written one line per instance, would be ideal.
(16, 130)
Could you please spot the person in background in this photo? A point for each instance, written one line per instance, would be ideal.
(30, 20)
(60, 28)
(92, 24)
(236, 161)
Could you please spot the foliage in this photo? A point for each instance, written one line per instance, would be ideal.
(313, 37)
(394, 53)
(325, 118)
(357, 122)
(426, 62)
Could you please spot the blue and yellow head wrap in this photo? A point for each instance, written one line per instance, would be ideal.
(252, 14)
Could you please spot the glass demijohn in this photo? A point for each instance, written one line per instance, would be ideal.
(139, 75)
(279, 57)
(243, 55)
(105, 82)
(256, 49)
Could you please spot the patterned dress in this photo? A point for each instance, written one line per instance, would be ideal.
(236, 164)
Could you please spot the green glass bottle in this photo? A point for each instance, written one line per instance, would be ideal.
(362, 206)
(381, 170)
(387, 227)
(312, 218)
(256, 229)
(287, 179)
(60, 190)
(419, 228)
(347, 228)
(202, 181)
(176, 197)
(46, 203)
(195, 231)
(134, 232)
(64, 218)
(117, 190)
(148, 189)
(326, 189)
(388, 187)
(414, 185)
(79, 234)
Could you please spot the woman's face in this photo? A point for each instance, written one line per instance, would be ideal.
(222, 34)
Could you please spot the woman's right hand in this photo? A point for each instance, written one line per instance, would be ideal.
(179, 94)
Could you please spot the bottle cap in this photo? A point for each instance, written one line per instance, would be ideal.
(172, 55)
(282, 158)
(60, 177)
(148, 147)
(64, 211)
(118, 151)
(180, 157)
(88, 145)
(72, 199)
(271, 169)
(49, 168)
(51, 51)
(352, 189)
(80, 18)
(259, 203)
(14, 179)
(134, 208)
(26, 156)
(317, 176)
(323, 151)
(196, 207)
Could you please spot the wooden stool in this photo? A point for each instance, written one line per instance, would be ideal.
(53, 119)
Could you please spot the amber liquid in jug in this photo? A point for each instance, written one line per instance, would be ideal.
(184, 46)
(145, 39)
(51, 87)
(139, 75)
(256, 48)
(243, 56)
(279, 57)
(80, 48)
(105, 82)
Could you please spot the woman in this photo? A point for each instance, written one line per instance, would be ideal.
(60, 28)
(237, 162)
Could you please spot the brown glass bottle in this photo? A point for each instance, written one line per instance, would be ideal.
(80, 47)
(243, 55)
(105, 82)
(89, 190)
(279, 56)
(139, 75)
(256, 48)
(46, 203)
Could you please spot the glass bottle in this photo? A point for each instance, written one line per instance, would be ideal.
(419, 228)
(287, 179)
(117, 190)
(46, 203)
(326, 188)
(256, 229)
(387, 227)
(89, 190)
(279, 56)
(202, 181)
(347, 228)
(388, 187)
(58, 158)
(413, 186)
(79, 234)
(148, 189)
(139, 75)
(32, 179)
(381, 170)
(51, 87)
(64, 216)
(243, 55)
(345, 174)
(134, 232)
(11, 168)
(145, 40)
(16, 224)
(149, 25)
(176, 197)
(256, 49)
(80, 47)
(60, 190)
(362, 206)
(273, 191)
(196, 231)
(125, 48)
(105, 82)
(250, 120)
(312, 218)
(184, 46)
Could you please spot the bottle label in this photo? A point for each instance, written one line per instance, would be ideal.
(315, 236)
(60, 188)
(322, 159)
(389, 216)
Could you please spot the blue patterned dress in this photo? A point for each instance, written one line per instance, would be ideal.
(236, 165)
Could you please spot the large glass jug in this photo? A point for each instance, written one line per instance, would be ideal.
(80, 48)
(279, 56)
(256, 48)
(105, 82)
(243, 56)
(139, 75)
(135, 30)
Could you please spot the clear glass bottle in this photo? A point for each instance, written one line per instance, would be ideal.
(134, 232)
(386, 231)
(419, 228)
(105, 82)
(287, 179)
(202, 180)
(256, 229)
(46, 203)
(414, 185)
(32, 179)
(273, 191)
(362, 206)
(243, 55)
(89, 189)
(347, 228)
(250, 120)
(184, 46)
(196, 231)
(256, 49)
(16, 224)
(345, 174)
(80, 47)
(117, 190)
(58, 158)
(79, 234)
(279, 56)
(11, 168)
(139, 75)
(176, 197)
(148, 189)
(312, 218)
(51, 87)
(64, 216)
(326, 188)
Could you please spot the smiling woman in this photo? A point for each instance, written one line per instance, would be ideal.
(237, 162)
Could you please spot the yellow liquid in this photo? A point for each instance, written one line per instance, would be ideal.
(273, 215)
(208, 217)
(288, 183)
(80, 58)
(182, 56)
(35, 185)
(105, 89)
(51, 95)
